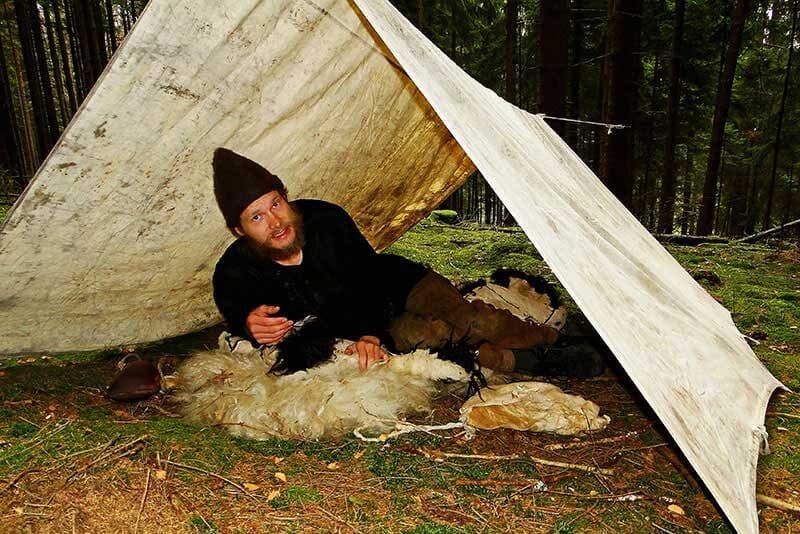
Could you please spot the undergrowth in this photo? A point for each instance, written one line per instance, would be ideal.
(54, 419)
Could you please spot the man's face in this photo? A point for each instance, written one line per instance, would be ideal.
(272, 225)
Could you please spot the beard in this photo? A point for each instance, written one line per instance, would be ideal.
(264, 250)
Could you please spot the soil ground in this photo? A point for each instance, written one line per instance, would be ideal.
(73, 461)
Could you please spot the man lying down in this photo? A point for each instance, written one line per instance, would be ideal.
(303, 267)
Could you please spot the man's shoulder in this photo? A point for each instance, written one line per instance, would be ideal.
(235, 260)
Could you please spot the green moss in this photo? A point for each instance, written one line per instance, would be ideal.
(296, 495)
(21, 429)
(443, 216)
(198, 523)
(397, 469)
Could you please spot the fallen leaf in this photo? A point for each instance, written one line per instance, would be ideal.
(18, 510)
(2, 373)
(383, 437)
(251, 487)
(274, 494)
(122, 414)
(333, 466)
(280, 476)
(675, 509)
(359, 454)
(161, 474)
(277, 459)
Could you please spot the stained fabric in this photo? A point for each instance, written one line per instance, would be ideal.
(115, 239)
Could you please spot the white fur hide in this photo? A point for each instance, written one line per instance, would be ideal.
(232, 388)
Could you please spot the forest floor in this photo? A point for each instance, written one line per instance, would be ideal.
(73, 461)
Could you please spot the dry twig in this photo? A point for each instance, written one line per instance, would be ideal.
(777, 503)
(117, 452)
(783, 414)
(337, 518)
(603, 441)
(209, 473)
(141, 504)
(541, 461)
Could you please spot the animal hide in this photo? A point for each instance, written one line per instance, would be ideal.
(528, 297)
(231, 387)
(535, 406)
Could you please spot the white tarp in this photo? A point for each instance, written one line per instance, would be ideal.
(116, 238)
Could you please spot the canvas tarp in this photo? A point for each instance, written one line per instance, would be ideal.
(116, 238)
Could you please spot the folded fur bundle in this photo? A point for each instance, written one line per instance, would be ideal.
(231, 387)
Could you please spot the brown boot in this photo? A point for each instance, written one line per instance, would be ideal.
(496, 358)
(410, 331)
(435, 296)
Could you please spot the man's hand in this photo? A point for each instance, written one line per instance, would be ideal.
(369, 351)
(264, 327)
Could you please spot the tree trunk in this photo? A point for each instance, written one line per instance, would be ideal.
(620, 96)
(646, 201)
(737, 203)
(28, 134)
(99, 31)
(54, 58)
(666, 215)
(575, 76)
(787, 209)
(777, 148)
(752, 195)
(421, 15)
(487, 201)
(112, 30)
(512, 15)
(597, 133)
(73, 34)
(552, 53)
(705, 223)
(31, 74)
(86, 37)
(62, 47)
(53, 130)
(126, 24)
(687, 187)
(11, 148)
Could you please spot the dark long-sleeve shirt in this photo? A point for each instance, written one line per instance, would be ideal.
(341, 279)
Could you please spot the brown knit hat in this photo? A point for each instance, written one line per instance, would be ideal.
(238, 181)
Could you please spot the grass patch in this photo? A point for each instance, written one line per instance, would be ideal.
(437, 528)
(296, 495)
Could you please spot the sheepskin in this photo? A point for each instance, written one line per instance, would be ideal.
(231, 387)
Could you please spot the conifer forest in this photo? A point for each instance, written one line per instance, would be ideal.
(686, 109)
